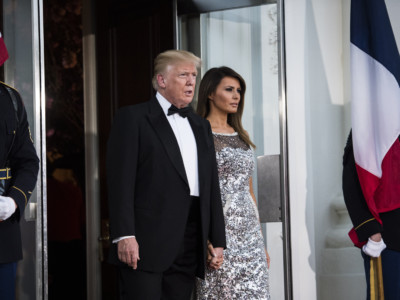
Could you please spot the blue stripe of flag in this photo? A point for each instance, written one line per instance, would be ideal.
(372, 32)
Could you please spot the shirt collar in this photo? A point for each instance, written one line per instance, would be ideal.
(165, 104)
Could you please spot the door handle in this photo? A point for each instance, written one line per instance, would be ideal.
(269, 188)
(104, 239)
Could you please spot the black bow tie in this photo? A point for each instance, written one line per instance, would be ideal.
(183, 112)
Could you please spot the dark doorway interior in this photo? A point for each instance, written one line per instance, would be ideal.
(129, 35)
(65, 149)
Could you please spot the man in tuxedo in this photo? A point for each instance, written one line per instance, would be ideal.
(164, 198)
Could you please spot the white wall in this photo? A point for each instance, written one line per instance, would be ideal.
(393, 7)
(302, 223)
(318, 95)
(315, 95)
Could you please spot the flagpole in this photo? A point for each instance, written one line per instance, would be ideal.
(380, 278)
(376, 279)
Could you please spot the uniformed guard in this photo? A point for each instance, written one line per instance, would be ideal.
(379, 241)
(19, 167)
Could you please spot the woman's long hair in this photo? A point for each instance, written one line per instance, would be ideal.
(208, 85)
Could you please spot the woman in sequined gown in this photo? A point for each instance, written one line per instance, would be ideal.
(244, 272)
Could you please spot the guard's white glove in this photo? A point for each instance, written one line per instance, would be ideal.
(7, 207)
(374, 249)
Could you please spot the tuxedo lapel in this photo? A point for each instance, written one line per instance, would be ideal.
(165, 133)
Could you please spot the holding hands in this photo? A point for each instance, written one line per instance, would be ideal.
(215, 256)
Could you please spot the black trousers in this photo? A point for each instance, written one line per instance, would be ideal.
(177, 282)
(8, 272)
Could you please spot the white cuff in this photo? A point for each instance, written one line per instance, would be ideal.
(122, 238)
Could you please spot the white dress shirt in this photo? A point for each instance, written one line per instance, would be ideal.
(187, 146)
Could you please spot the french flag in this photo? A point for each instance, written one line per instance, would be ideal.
(375, 74)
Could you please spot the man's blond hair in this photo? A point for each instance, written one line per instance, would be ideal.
(170, 58)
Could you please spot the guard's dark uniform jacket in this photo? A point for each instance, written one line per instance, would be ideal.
(19, 167)
(363, 221)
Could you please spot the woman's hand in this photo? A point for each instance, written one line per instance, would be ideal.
(268, 258)
(214, 261)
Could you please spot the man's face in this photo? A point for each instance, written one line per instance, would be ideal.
(177, 84)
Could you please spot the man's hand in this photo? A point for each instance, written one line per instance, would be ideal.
(374, 246)
(128, 252)
(7, 207)
(215, 257)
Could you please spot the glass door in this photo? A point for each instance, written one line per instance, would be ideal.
(21, 30)
(247, 39)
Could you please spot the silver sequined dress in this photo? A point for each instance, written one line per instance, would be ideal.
(244, 273)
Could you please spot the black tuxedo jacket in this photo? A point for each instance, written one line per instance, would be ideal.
(149, 195)
(17, 153)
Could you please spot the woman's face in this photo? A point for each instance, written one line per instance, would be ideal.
(226, 97)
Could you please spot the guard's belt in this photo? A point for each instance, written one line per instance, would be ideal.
(5, 173)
